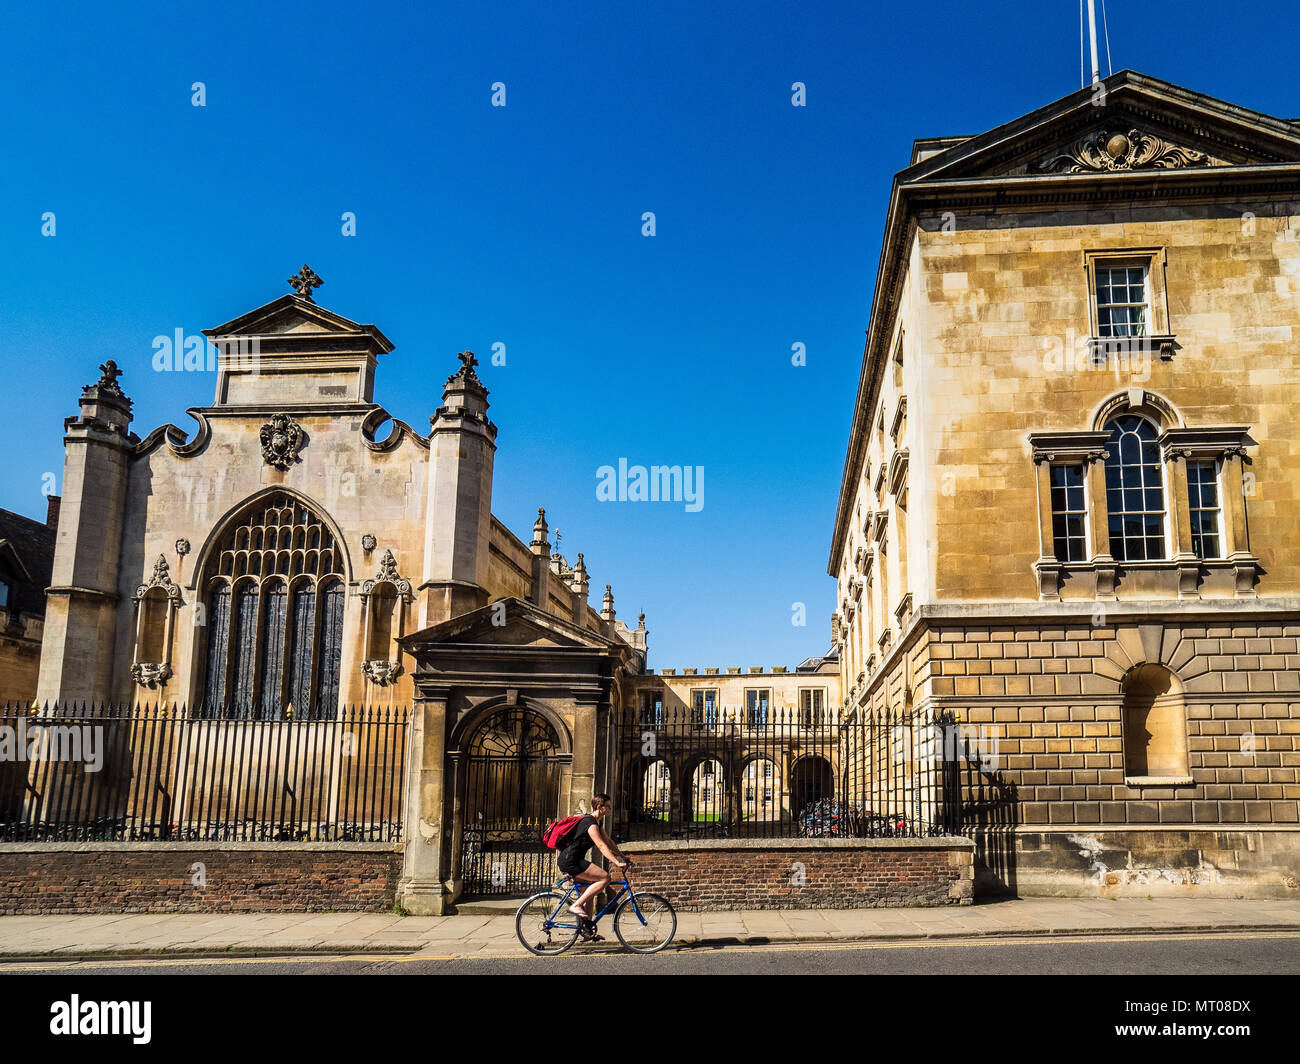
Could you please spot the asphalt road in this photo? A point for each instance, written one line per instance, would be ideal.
(1219, 954)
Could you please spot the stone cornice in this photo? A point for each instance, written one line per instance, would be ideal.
(1068, 446)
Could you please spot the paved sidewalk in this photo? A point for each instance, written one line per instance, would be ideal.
(492, 935)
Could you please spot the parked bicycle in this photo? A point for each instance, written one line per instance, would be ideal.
(643, 922)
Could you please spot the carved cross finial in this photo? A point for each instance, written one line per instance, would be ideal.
(107, 383)
(468, 360)
(304, 281)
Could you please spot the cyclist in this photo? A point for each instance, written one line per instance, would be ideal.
(573, 862)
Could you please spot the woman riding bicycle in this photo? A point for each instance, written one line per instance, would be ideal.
(572, 861)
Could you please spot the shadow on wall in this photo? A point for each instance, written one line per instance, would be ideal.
(990, 814)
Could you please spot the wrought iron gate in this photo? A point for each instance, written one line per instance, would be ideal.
(512, 790)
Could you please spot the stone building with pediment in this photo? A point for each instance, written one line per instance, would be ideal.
(1069, 510)
(286, 560)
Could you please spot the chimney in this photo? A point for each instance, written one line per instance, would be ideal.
(52, 510)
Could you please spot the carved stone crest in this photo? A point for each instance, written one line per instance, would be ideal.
(1109, 150)
(151, 673)
(281, 440)
(381, 672)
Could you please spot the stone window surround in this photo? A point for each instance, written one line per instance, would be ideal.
(1178, 444)
(899, 421)
(815, 714)
(1159, 333)
(704, 720)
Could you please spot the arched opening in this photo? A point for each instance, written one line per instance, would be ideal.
(1155, 724)
(760, 790)
(706, 797)
(274, 613)
(656, 797)
(811, 780)
(512, 788)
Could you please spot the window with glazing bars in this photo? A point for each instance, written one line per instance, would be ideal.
(812, 709)
(1122, 303)
(704, 708)
(1069, 515)
(1135, 491)
(756, 703)
(652, 708)
(1203, 504)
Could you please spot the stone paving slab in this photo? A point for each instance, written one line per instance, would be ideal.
(66, 935)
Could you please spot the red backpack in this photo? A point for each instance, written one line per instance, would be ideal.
(556, 835)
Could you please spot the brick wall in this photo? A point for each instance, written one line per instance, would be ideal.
(806, 873)
(159, 877)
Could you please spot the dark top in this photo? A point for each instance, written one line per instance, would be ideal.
(579, 840)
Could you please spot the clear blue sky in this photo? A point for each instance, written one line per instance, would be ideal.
(522, 225)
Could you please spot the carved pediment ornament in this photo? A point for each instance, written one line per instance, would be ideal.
(282, 439)
(388, 574)
(161, 578)
(1108, 150)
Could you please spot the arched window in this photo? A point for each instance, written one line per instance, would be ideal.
(1135, 498)
(274, 615)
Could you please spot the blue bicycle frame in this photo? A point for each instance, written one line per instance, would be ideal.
(611, 904)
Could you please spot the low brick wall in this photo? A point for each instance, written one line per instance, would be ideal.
(806, 873)
(126, 877)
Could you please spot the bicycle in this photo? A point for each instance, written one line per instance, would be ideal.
(643, 922)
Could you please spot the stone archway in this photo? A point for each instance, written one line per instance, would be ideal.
(513, 768)
(811, 780)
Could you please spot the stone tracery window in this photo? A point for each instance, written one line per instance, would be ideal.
(275, 600)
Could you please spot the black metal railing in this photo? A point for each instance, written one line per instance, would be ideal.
(784, 773)
(157, 773)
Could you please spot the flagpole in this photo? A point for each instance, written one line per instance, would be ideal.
(1092, 40)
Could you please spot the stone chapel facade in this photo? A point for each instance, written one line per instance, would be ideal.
(1069, 508)
(287, 560)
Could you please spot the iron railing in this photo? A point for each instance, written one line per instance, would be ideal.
(784, 773)
(157, 773)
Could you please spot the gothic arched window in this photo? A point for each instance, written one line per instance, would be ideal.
(1135, 498)
(274, 598)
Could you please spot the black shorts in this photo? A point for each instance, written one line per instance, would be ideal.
(572, 866)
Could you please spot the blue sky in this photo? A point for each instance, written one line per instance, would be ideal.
(522, 225)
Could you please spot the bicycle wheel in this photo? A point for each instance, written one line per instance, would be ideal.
(650, 931)
(536, 933)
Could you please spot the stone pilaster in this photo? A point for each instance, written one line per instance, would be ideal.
(425, 888)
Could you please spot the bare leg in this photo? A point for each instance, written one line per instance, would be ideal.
(585, 904)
